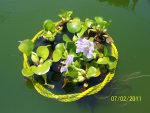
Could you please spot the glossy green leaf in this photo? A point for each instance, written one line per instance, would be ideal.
(82, 31)
(104, 60)
(103, 69)
(57, 54)
(43, 52)
(98, 72)
(49, 35)
(91, 72)
(106, 53)
(77, 64)
(65, 54)
(112, 58)
(27, 72)
(74, 26)
(34, 58)
(71, 48)
(92, 63)
(66, 38)
(26, 46)
(88, 22)
(75, 38)
(80, 79)
(49, 25)
(99, 54)
(65, 15)
(91, 39)
(41, 61)
(42, 68)
(102, 24)
(99, 20)
(60, 46)
(112, 65)
(72, 73)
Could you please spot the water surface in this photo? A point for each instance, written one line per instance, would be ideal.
(130, 28)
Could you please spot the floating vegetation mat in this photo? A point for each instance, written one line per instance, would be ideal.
(70, 59)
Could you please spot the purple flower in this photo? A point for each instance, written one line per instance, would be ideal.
(63, 68)
(66, 63)
(85, 46)
(69, 59)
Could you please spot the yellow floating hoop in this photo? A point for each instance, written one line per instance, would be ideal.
(75, 96)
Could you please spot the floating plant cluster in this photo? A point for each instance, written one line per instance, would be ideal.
(77, 51)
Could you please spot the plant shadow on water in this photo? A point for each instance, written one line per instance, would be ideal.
(118, 86)
(128, 4)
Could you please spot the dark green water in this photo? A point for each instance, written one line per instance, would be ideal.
(130, 28)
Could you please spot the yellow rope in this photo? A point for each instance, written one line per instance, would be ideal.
(76, 96)
(37, 35)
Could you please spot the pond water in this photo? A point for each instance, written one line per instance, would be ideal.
(130, 28)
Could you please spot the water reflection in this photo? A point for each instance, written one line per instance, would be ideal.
(129, 4)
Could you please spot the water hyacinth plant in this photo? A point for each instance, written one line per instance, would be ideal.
(78, 51)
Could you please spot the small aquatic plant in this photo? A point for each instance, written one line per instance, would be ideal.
(82, 53)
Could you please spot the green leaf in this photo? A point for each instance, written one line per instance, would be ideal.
(82, 31)
(34, 58)
(102, 24)
(49, 35)
(112, 58)
(65, 54)
(49, 25)
(80, 79)
(91, 72)
(98, 72)
(91, 39)
(99, 54)
(77, 64)
(106, 53)
(42, 68)
(41, 61)
(75, 38)
(66, 38)
(93, 63)
(72, 73)
(112, 65)
(65, 15)
(74, 26)
(98, 19)
(27, 72)
(57, 54)
(75, 75)
(71, 48)
(26, 46)
(103, 69)
(43, 52)
(104, 60)
(60, 46)
(88, 22)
